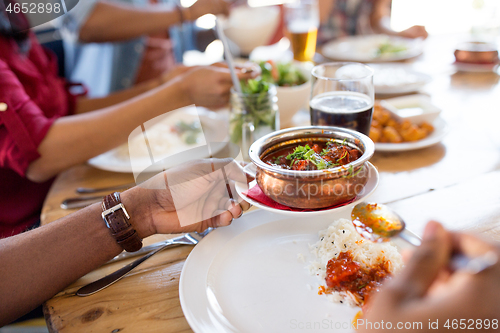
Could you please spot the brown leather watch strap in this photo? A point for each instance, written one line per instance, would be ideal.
(117, 220)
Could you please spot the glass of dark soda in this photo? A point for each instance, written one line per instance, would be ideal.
(342, 94)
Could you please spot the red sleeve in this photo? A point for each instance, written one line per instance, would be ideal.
(23, 125)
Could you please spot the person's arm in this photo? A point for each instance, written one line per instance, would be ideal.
(85, 104)
(380, 21)
(39, 263)
(110, 21)
(74, 139)
(325, 8)
(90, 104)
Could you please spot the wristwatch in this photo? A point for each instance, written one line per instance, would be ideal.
(117, 219)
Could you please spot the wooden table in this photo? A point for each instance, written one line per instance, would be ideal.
(456, 182)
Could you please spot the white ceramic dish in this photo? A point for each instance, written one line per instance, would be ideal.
(363, 48)
(441, 129)
(247, 277)
(293, 99)
(215, 130)
(370, 186)
(416, 108)
(249, 27)
(475, 68)
(397, 79)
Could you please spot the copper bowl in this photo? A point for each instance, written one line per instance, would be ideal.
(315, 188)
(476, 53)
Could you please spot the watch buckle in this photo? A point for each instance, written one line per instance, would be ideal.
(114, 209)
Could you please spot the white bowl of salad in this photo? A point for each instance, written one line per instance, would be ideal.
(293, 86)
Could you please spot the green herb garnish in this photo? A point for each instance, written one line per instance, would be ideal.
(188, 131)
(343, 156)
(298, 153)
(277, 159)
(305, 153)
(282, 74)
(257, 108)
(350, 172)
(390, 48)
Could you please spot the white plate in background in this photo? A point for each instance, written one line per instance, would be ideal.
(441, 129)
(215, 129)
(397, 79)
(363, 48)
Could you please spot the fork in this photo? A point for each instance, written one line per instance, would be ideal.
(98, 285)
(86, 190)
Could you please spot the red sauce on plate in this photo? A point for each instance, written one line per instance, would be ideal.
(344, 274)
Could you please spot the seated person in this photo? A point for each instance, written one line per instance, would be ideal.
(113, 45)
(49, 258)
(339, 18)
(44, 129)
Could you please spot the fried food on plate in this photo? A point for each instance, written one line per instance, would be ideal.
(386, 129)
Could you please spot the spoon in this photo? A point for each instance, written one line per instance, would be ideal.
(379, 223)
(229, 56)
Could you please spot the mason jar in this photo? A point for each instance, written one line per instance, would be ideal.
(252, 116)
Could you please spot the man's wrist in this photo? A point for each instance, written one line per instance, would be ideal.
(183, 84)
(138, 202)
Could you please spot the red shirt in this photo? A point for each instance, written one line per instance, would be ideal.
(35, 97)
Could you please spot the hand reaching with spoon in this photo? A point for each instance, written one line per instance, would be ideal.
(427, 292)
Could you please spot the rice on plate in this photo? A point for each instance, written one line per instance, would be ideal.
(350, 267)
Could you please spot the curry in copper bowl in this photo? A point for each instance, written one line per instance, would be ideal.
(312, 167)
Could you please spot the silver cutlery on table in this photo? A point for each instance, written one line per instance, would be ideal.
(80, 202)
(180, 240)
(87, 190)
(92, 288)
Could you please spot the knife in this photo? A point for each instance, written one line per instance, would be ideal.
(80, 202)
(173, 241)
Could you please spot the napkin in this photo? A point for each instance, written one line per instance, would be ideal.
(256, 194)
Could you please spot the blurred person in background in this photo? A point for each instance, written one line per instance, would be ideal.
(116, 44)
(340, 18)
(45, 129)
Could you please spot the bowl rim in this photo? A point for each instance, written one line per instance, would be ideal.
(314, 70)
(267, 141)
(296, 87)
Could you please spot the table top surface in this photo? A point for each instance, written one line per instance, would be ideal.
(456, 182)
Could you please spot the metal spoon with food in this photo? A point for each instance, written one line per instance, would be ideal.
(379, 223)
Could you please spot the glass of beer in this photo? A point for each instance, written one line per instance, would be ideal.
(342, 94)
(302, 22)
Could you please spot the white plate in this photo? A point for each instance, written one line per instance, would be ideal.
(370, 186)
(215, 129)
(247, 277)
(441, 129)
(475, 68)
(363, 48)
(397, 79)
(420, 108)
